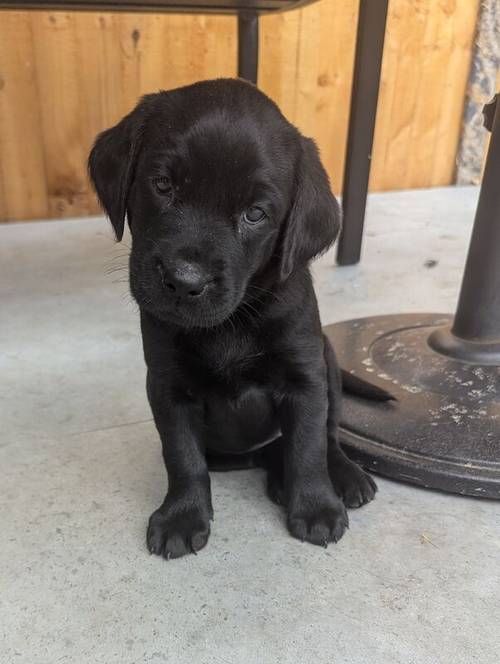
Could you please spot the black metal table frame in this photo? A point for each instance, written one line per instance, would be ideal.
(364, 96)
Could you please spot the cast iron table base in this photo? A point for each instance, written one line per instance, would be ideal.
(443, 429)
(443, 432)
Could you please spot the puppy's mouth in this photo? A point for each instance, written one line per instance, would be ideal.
(188, 319)
(210, 310)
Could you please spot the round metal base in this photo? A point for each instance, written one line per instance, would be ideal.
(443, 432)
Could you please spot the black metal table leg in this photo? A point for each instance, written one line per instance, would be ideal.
(443, 431)
(248, 46)
(364, 96)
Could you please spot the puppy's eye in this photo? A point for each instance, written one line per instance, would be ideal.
(253, 215)
(163, 186)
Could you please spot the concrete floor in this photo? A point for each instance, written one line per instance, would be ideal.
(415, 580)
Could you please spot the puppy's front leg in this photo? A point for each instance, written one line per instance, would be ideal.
(182, 524)
(315, 513)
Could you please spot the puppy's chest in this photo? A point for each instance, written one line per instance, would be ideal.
(229, 363)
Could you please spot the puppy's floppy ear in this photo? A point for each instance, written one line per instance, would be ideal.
(314, 219)
(112, 163)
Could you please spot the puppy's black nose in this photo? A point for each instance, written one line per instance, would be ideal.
(186, 280)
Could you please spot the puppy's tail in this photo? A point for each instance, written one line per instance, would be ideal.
(362, 388)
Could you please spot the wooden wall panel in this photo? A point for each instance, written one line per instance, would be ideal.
(62, 113)
(23, 193)
(312, 84)
(64, 77)
(424, 77)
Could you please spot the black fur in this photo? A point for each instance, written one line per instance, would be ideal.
(237, 363)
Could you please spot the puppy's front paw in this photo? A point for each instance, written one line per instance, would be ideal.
(352, 484)
(318, 519)
(175, 531)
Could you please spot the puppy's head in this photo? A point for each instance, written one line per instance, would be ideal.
(218, 190)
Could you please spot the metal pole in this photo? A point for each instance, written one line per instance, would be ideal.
(364, 97)
(478, 312)
(474, 336)
(248, 46)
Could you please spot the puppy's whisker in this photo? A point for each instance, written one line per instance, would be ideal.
(232, 324)
(249, 307)
(114, 270)
(265, 291)
(117, 256)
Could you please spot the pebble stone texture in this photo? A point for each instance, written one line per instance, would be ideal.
(416, 580)
(481, 87)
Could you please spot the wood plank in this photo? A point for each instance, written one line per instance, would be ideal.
(456, 34)
(313, 88)
(63, 110)
(23, 192)
(333, 83)
(279, 35)
(424, 74)
(100, 80)
(400, 93)
(178, 50)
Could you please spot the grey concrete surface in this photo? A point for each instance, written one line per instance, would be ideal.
(416, 579)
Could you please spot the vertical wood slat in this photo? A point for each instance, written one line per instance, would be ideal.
(64, 77)
(23, 192)
(459, 40)
(424, 75)
(63, 113)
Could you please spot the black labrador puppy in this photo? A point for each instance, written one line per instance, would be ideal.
(227, 203)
